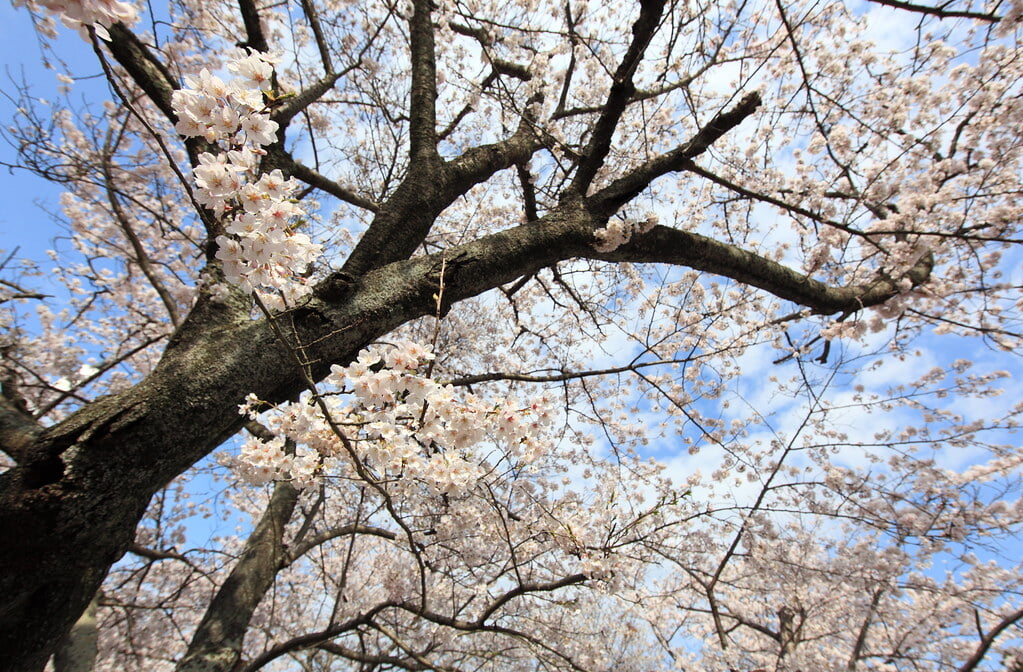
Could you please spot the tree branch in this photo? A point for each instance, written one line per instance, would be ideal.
(989, 639)
(404, 221)
(478, 164)
(314, 638)
(321, 41)
(939, 12)
(500, 66)
(284, 113)
(154, 554)
(147, 70)
(255, 38)
(525, 589)
(141, 255)
(324, 183)
(622, 90)
(629, 186)
(375, 660)
(671, 246)
(217, 642)
(423, 96)
(345, 530)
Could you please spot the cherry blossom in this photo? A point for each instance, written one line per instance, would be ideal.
(78, 14)
(480, 335)
(263, 250)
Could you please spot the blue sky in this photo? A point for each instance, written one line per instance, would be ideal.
(23, 222)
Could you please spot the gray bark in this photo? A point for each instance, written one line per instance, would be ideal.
(77, 650)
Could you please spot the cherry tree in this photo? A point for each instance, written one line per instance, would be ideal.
(487, 335)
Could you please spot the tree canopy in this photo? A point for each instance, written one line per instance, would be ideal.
(468, 335)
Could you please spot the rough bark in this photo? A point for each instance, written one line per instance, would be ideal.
(217, 643)
(77, 650)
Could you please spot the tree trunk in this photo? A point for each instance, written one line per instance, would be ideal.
(77, 650)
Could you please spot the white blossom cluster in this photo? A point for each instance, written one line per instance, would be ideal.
(620, 231)
(77, 14)
(262, 250)
(402, 426)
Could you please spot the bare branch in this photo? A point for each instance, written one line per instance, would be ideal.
(147, 70)
(629, 186)
(666, 245)
(154, 554)
(343, 531)
(622, 90)
(314, 638)
(321, 42)
(989, 639)
(324, 183)
(940, 12)
(287, 110)
(141, 256)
